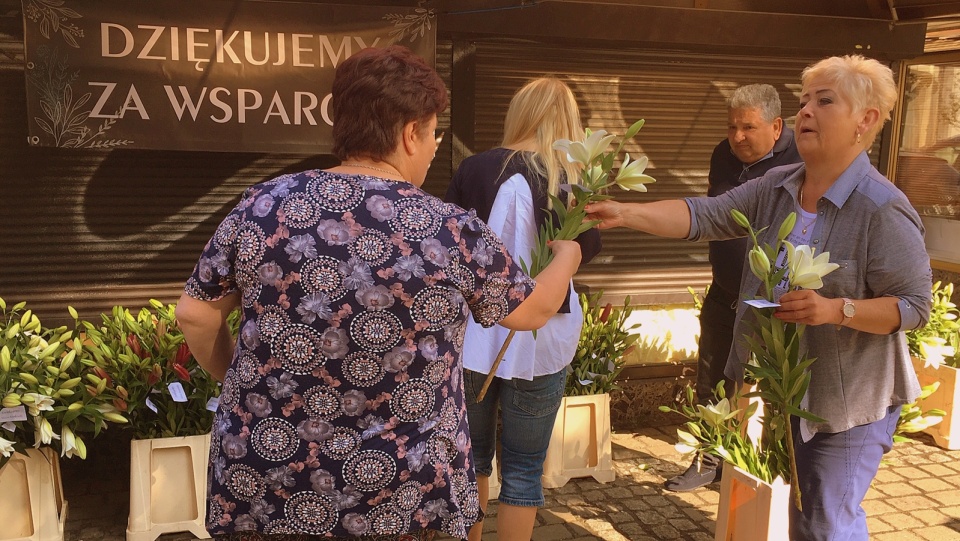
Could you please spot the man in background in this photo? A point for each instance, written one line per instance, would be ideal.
(756, 142)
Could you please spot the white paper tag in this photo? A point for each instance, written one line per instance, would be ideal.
(761, 303)
(16, 413)
(9, 427)
(151, 405)
(214, 403)
(177, 392)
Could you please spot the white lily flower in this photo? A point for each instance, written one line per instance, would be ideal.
(920, 423)
(933, 349)
(630, 176)
(37, 345)
(43, 432)
(584, 152)
(807, 271)
(6, 447)
(38, 402)
(687, 444)
(715, 414)
(71, 444)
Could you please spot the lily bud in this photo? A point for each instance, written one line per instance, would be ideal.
(606, 312)
(12, 400)
(740, 218)
(759, 263)
(115, 417)
(787, 226)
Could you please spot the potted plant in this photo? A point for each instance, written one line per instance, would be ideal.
(580, 445)
(753, 494)
(53, 397)
(170, 401)
(936, 358)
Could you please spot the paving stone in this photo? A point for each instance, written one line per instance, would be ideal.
(898, 536)
(876, 525)
(551, 532)
(951, 511)
(937, 470)
(682, 524)
(912, 473)
(904, 521)
(898, 489)
(947, 497)
(931, 485)
(915, 497)
(931, 517)
(887, 476)
(651, 517)
(912, 503)
(940, 533)
(877, 507)
(666, 531)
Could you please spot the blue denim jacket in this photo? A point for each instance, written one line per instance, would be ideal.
(875, 235)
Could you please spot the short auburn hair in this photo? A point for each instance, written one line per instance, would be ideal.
(375, 93)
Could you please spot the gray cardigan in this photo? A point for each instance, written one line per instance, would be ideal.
(875, 235)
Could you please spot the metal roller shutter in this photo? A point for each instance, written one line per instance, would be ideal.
(94, 228)
(681, 96)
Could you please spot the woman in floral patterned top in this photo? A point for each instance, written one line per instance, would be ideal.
(342, 409)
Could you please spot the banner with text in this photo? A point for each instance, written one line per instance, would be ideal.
(238, 76)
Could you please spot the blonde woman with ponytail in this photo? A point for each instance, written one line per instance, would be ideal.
(508, 188)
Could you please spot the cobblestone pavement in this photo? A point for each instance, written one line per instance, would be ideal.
(916, 496)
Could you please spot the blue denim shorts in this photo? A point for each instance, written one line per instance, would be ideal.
(529, 409)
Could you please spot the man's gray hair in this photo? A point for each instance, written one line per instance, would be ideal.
(763, 97)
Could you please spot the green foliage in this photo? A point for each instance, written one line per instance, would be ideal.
(912, 417)
(604, 340)
(61, 390)
(718, 429)
(698, 298)
(145, 355)
(938, 342)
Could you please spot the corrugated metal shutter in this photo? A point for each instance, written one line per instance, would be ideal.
(681, 96)
(93, 229)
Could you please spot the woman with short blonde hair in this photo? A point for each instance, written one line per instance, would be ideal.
(857, 320)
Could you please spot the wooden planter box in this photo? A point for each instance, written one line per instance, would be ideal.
(946, 433)
(32, 507)
(750, 509)
(168, 487)
(580, 445)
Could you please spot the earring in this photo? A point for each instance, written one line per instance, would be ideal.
(858, 138)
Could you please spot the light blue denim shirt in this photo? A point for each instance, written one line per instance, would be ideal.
(875, 235)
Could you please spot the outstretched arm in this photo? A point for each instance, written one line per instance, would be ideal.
(668, 218)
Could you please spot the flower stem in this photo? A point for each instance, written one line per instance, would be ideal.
(496, 364)
(794, 478)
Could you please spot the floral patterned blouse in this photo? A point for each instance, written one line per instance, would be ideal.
(342, 412)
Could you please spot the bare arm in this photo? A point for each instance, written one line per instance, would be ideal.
(668, 218)
(876, 316)
(204, 325)
(551, 290)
